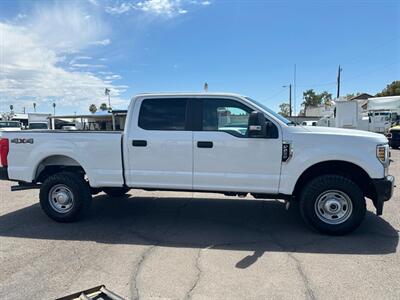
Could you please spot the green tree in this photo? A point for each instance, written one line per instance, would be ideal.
(326, 98)
(103, 106)
(392, 89)
(92, 108)
(311, 98)
(284, 109)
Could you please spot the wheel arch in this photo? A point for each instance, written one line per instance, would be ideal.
(57, 163)
(337, 167)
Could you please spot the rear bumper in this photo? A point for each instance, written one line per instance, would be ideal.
(384, 191)
(3, 173)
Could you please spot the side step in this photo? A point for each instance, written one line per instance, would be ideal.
(25, 186)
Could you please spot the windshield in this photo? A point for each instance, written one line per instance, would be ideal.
(276, 115)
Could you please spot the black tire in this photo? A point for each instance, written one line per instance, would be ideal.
(116, 191)
(76, 186)
(313, 214)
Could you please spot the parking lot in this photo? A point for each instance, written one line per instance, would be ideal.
(202, 246)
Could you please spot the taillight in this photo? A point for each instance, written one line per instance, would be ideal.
(4, 147)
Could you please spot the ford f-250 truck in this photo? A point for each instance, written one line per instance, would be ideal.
(224, 143)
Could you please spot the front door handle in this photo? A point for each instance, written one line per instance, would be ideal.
(204, 144)
(139, 143)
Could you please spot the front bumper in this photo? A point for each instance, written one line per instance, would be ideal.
(383, 192)
(3, 173)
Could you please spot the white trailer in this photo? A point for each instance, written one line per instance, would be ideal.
(38, 120)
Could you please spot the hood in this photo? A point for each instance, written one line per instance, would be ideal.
(326, 131)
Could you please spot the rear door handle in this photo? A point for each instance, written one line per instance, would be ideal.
(139, 143)
(204, 144)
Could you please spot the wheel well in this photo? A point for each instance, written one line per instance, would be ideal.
(343, 168)
(55, 164)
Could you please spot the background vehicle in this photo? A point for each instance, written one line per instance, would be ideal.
(68, 127)
(394, 137)
(38, 125)
(309, 123)
(194, 142)
(10, 125)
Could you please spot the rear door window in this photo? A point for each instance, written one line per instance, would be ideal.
(163, 114)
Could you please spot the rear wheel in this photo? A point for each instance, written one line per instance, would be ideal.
(116, 191)
(65, 197)
(332, 204)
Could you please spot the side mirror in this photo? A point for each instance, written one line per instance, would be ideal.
(257, 126)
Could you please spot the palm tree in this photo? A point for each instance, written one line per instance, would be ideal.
(34, 106)
(92, 108)
(103, 106)
(54, 108)
(11, 107)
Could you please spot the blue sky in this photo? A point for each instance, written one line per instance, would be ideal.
(67, 52)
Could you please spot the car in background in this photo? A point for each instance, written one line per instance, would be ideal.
(309, 123)
(38, 125)
(394, 137)
(10, 125)
(68, 127)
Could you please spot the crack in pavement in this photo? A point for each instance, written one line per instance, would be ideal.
(304, 277)
(143, 257)
(146, 253)
(189, 294)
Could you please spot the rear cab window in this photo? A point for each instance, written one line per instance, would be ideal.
(164, 114)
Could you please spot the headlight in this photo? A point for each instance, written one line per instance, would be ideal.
(382, 153)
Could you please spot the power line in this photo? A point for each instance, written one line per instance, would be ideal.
(275, 95)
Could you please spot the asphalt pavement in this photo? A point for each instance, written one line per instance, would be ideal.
(166, 245)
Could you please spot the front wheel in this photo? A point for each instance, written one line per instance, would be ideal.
(332, 204)
(65, 197)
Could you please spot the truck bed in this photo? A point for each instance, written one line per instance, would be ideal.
(97, 152)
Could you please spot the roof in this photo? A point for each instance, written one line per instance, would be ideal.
(98, 114)
(189, 94)
(385, 98)
(362, 96)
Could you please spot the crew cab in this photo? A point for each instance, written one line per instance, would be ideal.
(210, 142)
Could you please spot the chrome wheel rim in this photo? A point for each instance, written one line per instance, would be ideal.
(333, 207)
(61, 198)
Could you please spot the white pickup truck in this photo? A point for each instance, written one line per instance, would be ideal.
(223, 143)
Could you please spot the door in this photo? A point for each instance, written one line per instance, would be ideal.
(160, 145)
(225, 158)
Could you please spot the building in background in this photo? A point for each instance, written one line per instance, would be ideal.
(100, 121)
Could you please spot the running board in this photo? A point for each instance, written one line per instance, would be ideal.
(25, 186)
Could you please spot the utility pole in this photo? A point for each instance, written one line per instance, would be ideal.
(294, 89)
(338, 82)
(290, 100)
